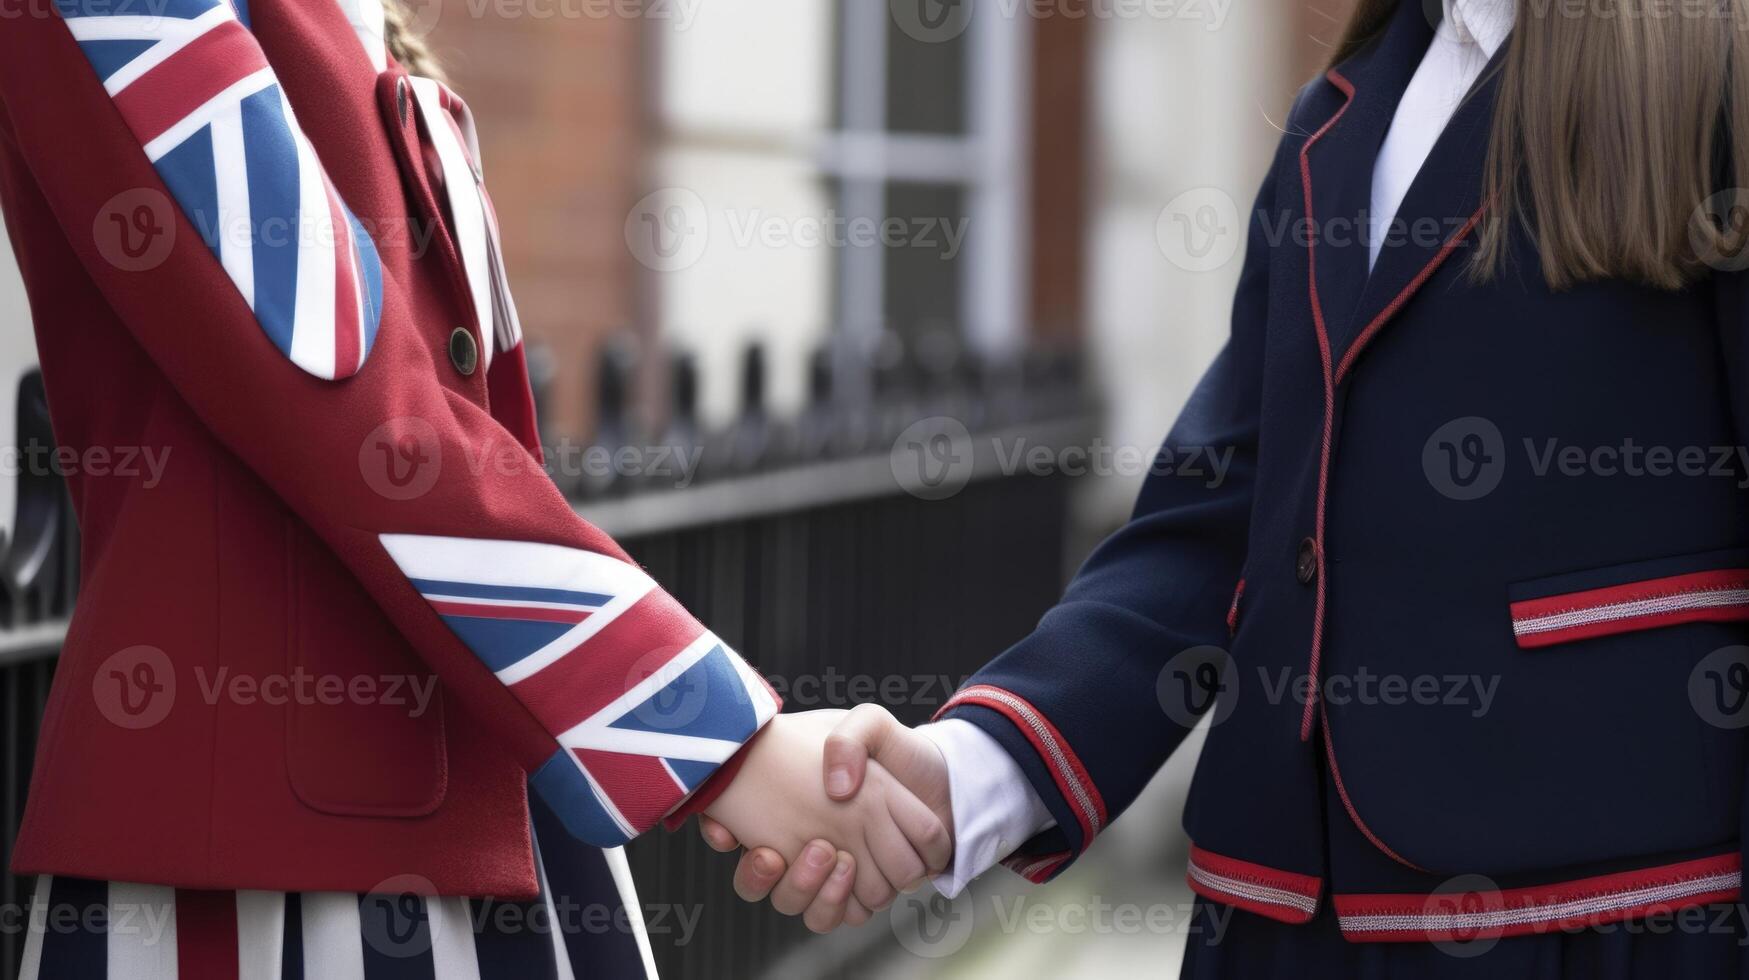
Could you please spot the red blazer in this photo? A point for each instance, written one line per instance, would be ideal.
(345, 619)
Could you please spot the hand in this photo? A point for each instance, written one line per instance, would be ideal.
(904, 753)
(818, 892)
(889, 838)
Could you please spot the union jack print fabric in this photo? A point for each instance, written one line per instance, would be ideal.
(642, 702)
(449, 126)
(195, 89)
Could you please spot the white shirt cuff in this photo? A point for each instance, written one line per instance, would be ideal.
(995, 808)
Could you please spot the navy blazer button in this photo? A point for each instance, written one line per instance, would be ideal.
(463, 352)
(1306, 563)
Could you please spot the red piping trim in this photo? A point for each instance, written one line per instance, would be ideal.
(1065, 766)
(1347, 804)
(1335, 77)
(1409, 290)
(1233, 610)
(1585, 902)
(1332, 378)
(1718, 596)
(1280, 895)
(1037, 870)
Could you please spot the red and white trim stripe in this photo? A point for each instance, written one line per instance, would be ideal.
(1465, 916)
(1066, 769)
(1037, 870)
(1717, 596)
(1280, 895)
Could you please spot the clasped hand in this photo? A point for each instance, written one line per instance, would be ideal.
(841, 811)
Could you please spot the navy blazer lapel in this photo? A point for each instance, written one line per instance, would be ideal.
(1337, 169)
(1434, 222)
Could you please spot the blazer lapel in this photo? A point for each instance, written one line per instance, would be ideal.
(1435, 222)
(1337, 170)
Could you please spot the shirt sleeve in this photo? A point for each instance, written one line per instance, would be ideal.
(995, 808)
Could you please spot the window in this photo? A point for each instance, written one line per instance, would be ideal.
(852, 172)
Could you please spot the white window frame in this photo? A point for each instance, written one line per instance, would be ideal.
(991, 162)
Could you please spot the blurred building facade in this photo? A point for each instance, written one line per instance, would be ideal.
(953, 175)
(560, 101)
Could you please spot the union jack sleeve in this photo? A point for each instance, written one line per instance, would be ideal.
(195, 89)
(574, 661)
(643, 704)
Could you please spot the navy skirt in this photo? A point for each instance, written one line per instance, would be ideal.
(1702, 943)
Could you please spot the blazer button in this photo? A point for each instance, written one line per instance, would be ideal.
(463, 352)
(1306, 563)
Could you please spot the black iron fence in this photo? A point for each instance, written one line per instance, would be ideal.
(876, 548)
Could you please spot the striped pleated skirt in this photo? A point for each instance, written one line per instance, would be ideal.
(586, 922)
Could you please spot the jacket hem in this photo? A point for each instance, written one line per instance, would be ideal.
(1270, 892)
(1466, 916)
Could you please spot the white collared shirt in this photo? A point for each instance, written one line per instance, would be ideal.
(1468, 37)
(995, 809)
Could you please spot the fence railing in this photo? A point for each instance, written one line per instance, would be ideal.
(853, 553)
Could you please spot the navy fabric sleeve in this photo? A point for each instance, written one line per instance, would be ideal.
(1077, 702)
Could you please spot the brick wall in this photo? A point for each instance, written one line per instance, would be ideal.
(557, 100)
(560, 98)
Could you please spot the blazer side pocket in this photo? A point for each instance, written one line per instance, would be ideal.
(1704, 587)
(369, 739)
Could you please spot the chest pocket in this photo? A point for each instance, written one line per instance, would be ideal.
(1707, 587)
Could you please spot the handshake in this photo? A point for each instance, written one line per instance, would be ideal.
(840, 810)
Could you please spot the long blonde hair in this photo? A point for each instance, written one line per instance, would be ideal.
(1617, 122)
(406, 44)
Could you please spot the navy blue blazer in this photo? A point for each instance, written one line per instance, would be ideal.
(1480, 569)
